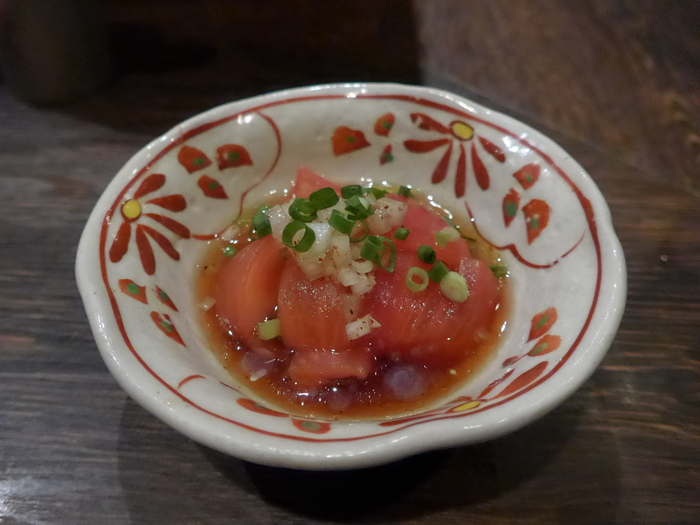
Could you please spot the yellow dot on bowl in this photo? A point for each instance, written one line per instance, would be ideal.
(462, 130)
(466, 406)
(131, 209)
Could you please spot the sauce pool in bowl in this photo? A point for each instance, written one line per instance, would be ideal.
(422, 346)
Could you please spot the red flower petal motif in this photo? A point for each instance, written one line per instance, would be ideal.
(423, 121)
(480, 172)
(511, 361)
(171, 224)
(165, 325)
(441, 169)
(461, 175)
(150, 184)
(120, 244)
(386, 155)
(346, 140)
(315, 427)
(161, 239)
(232, 156)
(148, 260)
(542, 322)
(511, 205)
(192, 159)
(211, 188)
(384, 124)
(170, 202)
(495, 383)
(536, 218)
(133, 290)
(523, 379)
(493, 150)
(548, 343)
(165, 298)
(251, 405)
(528, 175)
(424, 146)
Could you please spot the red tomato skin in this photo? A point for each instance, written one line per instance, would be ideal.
(246, 292)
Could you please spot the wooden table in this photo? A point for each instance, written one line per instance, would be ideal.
(615, 82)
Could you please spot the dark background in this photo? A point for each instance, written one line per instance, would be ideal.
(615, 82)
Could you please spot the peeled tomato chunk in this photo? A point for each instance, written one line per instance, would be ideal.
(311, 313)
(427, 327)
(246, 293)
(322, 366)
(308, 181)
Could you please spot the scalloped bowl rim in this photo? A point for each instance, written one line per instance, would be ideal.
(318, 455)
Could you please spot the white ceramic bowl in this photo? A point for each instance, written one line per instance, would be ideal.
(137, 257)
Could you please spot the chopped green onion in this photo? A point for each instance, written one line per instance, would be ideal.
(230, 250)
(412, 285)
(450, 222)
(401, 234)
(324, 198)
(438, 272)
(370, 248)
(374, 249)
(341, 223)
(269, 329)
(499, 270)
(454, 287)
(365, 232)
(427, 254)
(351, 191)
(378, 194)
(289, 233)
(302, 210)
(261, 224)
(391, 264)
(358, 207)
(405, 191)
(445, 236)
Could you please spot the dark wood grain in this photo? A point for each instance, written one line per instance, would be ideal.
(615, 82)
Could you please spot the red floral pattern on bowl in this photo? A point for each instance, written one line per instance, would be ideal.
(525, 195)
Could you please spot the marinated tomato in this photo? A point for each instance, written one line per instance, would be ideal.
(384, 311)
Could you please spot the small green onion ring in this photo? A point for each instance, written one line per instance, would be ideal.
(438, 272)
(454, 286)
(442, 239)
(358, 207)
(499, 270)
(341, 223)
(427, 254)
(261, 224)
(302, 210)
(364, 235)
(401, 234)
(230, 251)
(351, 191)
(290, 231)
(370, 248)
(392, 255)
(378, 194)
(269, 329)
(324, 198)
(412, 285)
(405, 191)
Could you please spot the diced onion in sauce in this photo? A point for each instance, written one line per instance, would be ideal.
(360, 327)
